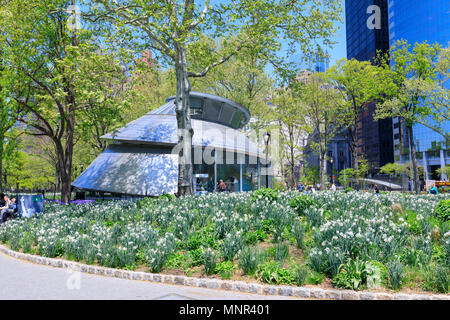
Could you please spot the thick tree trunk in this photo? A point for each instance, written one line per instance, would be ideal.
(185, 131)
(414, 159)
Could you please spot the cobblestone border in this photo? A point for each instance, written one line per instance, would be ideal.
(255, 288)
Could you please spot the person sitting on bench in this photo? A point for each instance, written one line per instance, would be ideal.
(8, 209)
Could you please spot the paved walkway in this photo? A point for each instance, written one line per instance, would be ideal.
(22, 280)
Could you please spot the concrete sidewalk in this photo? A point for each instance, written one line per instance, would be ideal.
(23, 280)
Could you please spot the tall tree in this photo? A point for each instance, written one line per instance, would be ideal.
(242, 79)
(439, 98)
(52, 82)
(358, 83)
(319, 108)
(413, 74)
(292, 133)
(173, 29)
(8, 111)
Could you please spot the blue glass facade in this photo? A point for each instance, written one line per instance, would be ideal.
(374, 137)
(419, 21)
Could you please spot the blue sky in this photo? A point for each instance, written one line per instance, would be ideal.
(340, 48)
(336, 53)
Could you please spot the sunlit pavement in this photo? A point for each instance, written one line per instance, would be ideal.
(23, 280)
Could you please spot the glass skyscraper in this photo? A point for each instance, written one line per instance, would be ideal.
(363, 42)
(418, 21)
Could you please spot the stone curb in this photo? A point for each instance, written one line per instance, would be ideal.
(240, 286)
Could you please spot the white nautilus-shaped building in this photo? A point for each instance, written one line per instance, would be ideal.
(142, 159)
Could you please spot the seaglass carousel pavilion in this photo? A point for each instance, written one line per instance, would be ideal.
(142, 159)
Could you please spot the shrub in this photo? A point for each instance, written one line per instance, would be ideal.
(351, 275)
(298, 232)
(377, 274)
(437, 279)
(265, 193)
(167, 196)
(442, 210)
(315, 278)
(395, 272)
(175, 261)
(413, 222)
(300, 204)
(300, 274)
(225, 269)
(348, 189)
(253, 237)
(194, 242)
(438, 254)
(209, 258)
(231, 245)
(157, 256)
(144, 202)
(268, 226)
(273, 273)
(196, 257)
(248, 260)
(281, 252)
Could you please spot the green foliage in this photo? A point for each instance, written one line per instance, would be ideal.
(231, 245)
(144, 202)
(267, 194)
(168, 197)
(209, 259)
(196, 257)
(348, 189)
(377, 274)
(300, 274)
(312, 174)
(298, 232)
(156, 257)
(225, 269)
(437, 279)
(253, 237)
(273, 273)
(345, 176)
(175, 261)
(300, 204)
(438, 254)
(268, 226)
(352, 275)
(281, 252)
(315, 278)
(442, 210)
(395, 169)
(413, 222)
(249, 259)
(395, 272)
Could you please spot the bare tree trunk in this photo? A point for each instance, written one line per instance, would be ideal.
(414, 159)
(323, 170)
(185, 131)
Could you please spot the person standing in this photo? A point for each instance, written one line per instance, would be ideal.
(377, 192)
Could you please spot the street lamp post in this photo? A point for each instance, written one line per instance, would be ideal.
(332, 178)
(266, 141)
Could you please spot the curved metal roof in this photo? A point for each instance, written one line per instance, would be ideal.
(132, 170)
(161, 129)
(212, 108)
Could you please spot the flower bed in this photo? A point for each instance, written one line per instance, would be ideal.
(350, 240)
